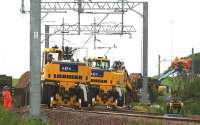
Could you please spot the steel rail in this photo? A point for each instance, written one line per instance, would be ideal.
(130, 114)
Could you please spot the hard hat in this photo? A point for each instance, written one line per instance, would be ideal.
(5, 88)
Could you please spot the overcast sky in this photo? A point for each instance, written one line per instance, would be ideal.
(174, 27)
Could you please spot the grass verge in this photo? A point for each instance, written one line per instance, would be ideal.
(10, 118)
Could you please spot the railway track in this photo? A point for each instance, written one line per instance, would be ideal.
(122, 113)
(126, 113)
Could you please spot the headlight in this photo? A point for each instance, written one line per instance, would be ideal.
(51, 98)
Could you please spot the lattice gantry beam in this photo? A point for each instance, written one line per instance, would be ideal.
(95, 29)
(64, 6)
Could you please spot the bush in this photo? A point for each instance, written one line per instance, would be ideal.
(191, 107)
(188, 91)
(157, 109)
(10, 118)
(191, 89)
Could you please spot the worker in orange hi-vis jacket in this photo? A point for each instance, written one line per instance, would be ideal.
(7, 99)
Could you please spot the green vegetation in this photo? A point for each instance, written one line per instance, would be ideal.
(14, 81)
(169, 82)
(196, 62)
(10, 118)
(139, 107)
(155, 122)
(187, 87)
(144, 122)
(191, 107)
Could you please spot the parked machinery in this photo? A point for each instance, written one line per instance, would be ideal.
(174, 104)
(108, 86)
(129, 85)
(178, 66)
(64, 81)
(75, 84)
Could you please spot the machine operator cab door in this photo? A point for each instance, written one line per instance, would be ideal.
(49, 55)
(52, 54)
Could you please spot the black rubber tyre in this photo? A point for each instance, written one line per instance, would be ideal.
(48, 91)
(120, 101)
(80, 95)
(92, 93)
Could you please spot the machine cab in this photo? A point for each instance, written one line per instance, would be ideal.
(52, 54)
(99, 63)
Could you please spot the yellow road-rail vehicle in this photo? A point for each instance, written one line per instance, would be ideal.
(108, 86)
(64, 81)
(75, 84)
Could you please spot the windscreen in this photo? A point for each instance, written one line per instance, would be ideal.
(102, 64)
